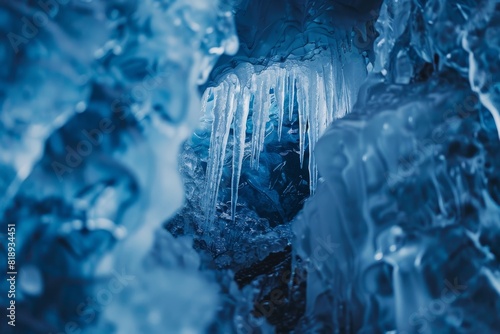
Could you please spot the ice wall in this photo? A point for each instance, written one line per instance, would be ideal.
(403, 233)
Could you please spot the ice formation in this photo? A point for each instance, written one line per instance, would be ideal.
(319, 90)
(96, 98)
(343, 178)
(410, 194)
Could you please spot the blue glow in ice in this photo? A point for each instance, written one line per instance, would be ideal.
(251, 166)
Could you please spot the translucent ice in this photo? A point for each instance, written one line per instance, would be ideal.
(409, 203)
(393, 132)
(317, 90)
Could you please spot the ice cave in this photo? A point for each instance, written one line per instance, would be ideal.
(250, 166)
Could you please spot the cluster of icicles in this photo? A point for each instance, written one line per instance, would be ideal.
(320, 90)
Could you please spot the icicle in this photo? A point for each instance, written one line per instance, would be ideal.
(224, 108)
(329, 88)
(260, 116)
(303, 109)
(279, 92)
(256, 112)
(291, 93)
(240, 128)
(265, 111)
(323, 106)
(317, 125)
(312, 129)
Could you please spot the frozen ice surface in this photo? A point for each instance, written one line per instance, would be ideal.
(407, 215)
(344, 176)
(410, 196)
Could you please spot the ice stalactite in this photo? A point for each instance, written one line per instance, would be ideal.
(240, 129)
(225, 102)
(318, 121)
(329, 91)
(321, 90)
(291, 93)
(260, 115)
(279, 92)
(302, 109)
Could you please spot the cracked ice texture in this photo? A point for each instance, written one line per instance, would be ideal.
(410, 190)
